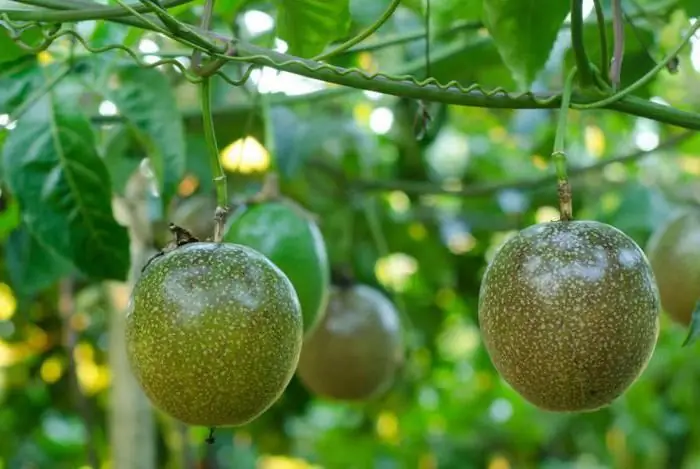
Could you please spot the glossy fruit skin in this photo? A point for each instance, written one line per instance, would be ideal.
(214, 333)
(674, 254)
(569, 314)
(295, 244)
(357, 348)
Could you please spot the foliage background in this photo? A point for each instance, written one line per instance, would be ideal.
(340, 153)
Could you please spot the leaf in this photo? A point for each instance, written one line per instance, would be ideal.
(152, 112)
(17, 81)
(308, 26)
(10, 50)
(9, 216)
(31, 266)
(119, 158)
(524, 32)
(63, 188)
(694, 329)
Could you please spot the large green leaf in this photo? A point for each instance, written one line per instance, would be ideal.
(63, 188)
(524, 32)
(308, 26)
(146, 99)
(32, 267)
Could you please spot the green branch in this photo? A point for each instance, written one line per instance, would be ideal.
(486, 190)
(577, 43)
(408, 86)
(73, 13)
(339, 49)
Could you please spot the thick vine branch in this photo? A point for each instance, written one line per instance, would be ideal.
(408, 86)
(485, 190)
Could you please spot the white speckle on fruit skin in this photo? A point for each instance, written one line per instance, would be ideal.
(569, 313)
(214, 333)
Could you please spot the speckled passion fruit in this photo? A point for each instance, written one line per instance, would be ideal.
(214, 333)
(292, 240)
(569, 314)
(674, 254)
(357, 348)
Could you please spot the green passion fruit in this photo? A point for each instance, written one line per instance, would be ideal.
(674, 254)
(293, 242)
(357, 348)
(569, 314)
(214, 333)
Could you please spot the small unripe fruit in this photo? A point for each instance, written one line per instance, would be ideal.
(674, 254)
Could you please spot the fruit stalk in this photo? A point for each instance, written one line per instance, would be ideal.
(216, 168)
(559, 153)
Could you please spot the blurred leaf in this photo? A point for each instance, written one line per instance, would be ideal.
(10, 50)
(17, 81)
(31, 266)
(153, 113)
(64, 189)
(120, 161)
(524, 32)
(308, 26)
(9, 218)
(694, 329)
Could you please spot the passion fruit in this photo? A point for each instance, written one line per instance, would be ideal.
(569, 314)
(214, 333)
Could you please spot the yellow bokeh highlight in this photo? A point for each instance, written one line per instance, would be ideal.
(367, 63)
(362, 113)
(595, 140)
(8, 302)
(417, 231)
(395, 270)
(51, 370)
(499, 462)
(245, 155)
(387, 427)
(690, 165)
(539, 162)
(546, 213)
(92, 377)
(44, 58)
(283, 462)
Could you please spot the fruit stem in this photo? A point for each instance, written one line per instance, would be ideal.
(559, 153)
(216, 168)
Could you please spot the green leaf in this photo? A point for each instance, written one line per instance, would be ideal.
(146, 99)
(17, 81)
(10, 50)
(63, 187)
(31, 266)
(308, 26)
(524, 32)
(694, 329)
(9, 216)
(119, 158)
